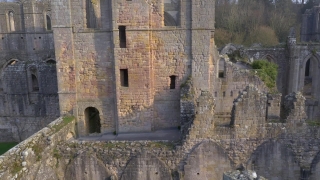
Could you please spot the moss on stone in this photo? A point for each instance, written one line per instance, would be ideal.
(65, 120)
(313, 123)
(16, 167)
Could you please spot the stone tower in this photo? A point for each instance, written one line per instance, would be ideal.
(121, 62)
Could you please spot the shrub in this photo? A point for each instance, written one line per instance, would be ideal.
(267, 71)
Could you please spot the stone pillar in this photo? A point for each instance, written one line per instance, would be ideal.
(293, 66)
(63, 38)
(202, 28)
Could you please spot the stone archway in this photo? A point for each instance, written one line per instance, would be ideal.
(315, 168)
(145, 167)
(310, 73)
(274, 160)
(93, 120)
(207, 161)
(87, 166)
(269, 58)
(309, 76)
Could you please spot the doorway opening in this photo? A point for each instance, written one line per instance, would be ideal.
(93, 120)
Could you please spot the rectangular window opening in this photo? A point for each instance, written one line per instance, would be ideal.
(172, 82)
(221, 74)
(124, 78)
(122, 36)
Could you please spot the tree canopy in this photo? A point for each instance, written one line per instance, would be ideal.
(258, 21)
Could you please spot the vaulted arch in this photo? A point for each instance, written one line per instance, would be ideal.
(270, 58)
(309, 73)
(315, 168)
(274, 160)
(145, 167)
(207, 161)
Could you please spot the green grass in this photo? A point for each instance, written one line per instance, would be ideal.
(65, 120)
(4, 147)
(267, 71)
(313, 122)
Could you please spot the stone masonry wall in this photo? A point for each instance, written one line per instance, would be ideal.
(228, 87)
(157, 56)
(27, 51)
(249, 112)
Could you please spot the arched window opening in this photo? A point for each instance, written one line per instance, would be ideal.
(307, 89)
(93, 120)
(12, 62)
(11, 21)
(49, 27)
(51, 62)
(173, 82)
(269, 58)
(221, 68)
(35, 84)
(91, 14)
(307, 70)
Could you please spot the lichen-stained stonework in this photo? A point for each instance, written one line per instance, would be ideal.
(135, 41)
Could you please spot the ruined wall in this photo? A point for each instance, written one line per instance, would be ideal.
(206, 152)
(249, 113)
(28, 81)
(235, 79)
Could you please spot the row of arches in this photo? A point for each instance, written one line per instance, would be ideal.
(272, 160)
(12, 20)
(32, 73)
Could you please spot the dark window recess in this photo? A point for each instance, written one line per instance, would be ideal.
(90, 14)
(215, 94)
(35, 85)
(48, 23)
(221, 74)
(231, 93)
(124, 77)
(307, 71)
(172, 82)
(122, 37)
(224, 94)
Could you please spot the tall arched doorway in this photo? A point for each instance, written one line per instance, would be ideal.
(93, 120)
(307, 88)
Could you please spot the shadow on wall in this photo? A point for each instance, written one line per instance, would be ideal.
(28, 96)
(274, 160)
(207, 161)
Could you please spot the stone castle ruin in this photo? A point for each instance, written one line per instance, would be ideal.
(139, 66)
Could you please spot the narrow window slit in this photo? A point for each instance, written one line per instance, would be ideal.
(173, 82)
(124, 77)
(122, 37)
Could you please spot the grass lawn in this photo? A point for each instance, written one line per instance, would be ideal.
(4, 147)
